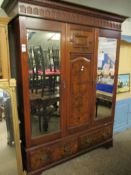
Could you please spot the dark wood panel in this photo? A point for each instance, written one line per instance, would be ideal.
(109, 33)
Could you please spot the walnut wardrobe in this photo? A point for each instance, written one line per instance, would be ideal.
(65, 60)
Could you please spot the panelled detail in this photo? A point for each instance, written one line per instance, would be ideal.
(80, 88)
(81, 41)
(80, 55)
(40, 157)
(60, 15)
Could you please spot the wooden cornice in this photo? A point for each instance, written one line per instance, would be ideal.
(65, 12)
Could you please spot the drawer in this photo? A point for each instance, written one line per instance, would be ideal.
(40, 157)
(91, 139)
(52, 153)
(64, 149)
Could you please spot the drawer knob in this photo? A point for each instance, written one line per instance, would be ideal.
(67, 149)
(88, 141)
(105, 135)
(45, 157)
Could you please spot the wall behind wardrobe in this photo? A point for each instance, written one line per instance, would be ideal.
(125, 55)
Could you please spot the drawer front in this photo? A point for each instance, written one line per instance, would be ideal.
(66, 149)
(94, 138)
(40, 158)
(52, 153)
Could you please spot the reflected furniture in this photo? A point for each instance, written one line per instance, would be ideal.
(62, 124)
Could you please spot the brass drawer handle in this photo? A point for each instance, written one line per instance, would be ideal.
(45, 157)
(105, 135)
(88, 141)
(67, 149)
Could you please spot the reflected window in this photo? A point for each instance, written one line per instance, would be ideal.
(105, 76)
(44, 81)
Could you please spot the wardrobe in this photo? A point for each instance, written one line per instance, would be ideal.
(65, 59)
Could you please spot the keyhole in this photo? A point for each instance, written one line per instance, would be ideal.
(82, 68)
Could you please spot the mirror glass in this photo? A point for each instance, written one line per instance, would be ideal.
(44, 81)
(8, 163)
(105, 76)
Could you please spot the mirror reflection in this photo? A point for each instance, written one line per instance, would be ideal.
(44, 81)
(105, 76)
(7, 146)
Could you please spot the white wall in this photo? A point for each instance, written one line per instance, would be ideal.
(117, 6)
(126, 27)
(2, 13)
(122, 7)
(103, 4)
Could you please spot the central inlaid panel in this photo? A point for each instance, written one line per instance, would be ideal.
(80, 91)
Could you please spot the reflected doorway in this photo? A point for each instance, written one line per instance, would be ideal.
(7, 146)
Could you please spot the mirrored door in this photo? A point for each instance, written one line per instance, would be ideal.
(106, 61)
(44, 81)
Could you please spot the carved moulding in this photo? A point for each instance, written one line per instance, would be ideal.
(65, 16)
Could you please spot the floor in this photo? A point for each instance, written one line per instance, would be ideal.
(8, 164)
(113, 161)
(103, 111)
